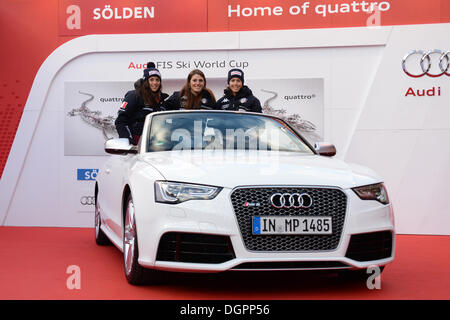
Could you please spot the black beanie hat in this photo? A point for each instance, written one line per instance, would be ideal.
(235, 73)
(151, 71)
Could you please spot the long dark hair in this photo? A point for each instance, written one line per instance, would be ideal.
(150, 98)
(194, 101)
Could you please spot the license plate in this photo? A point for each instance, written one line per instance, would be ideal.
(264, 225)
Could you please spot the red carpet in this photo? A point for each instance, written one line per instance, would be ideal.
(34, 261)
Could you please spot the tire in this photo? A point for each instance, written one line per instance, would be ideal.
(134, 272)
(100, 237)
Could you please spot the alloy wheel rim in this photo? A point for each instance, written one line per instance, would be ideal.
(129, 238)
(97, 220)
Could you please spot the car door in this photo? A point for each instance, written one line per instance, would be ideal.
(113, 179)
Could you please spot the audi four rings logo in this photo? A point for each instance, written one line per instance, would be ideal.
(87, 200)
(287, 200)
(433, 63)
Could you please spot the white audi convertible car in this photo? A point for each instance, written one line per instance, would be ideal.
(211, 191)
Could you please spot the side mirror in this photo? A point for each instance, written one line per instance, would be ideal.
(119, 146)
(325, 149)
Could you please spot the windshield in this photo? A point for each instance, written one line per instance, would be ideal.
(221, 130)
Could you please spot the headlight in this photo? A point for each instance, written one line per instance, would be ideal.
(175, 192)
(373, 192)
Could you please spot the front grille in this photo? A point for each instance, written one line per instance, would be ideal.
(194, 247)
(370, 246)
(291, 265)
(326, 202)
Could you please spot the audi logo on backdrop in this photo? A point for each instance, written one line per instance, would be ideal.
(287, 200)
(433, 63)
(87, 200)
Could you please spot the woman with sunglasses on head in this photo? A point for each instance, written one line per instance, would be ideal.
(237, 96)
(193, 95)
(138, 103)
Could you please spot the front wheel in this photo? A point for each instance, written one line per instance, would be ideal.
(134, 272)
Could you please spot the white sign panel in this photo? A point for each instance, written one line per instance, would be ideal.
(90, 108)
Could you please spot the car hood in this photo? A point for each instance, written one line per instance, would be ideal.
(243, 168)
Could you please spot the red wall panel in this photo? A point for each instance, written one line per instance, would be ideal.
(28, 33)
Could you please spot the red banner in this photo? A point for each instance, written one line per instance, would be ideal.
(77, 17)
(248, 15)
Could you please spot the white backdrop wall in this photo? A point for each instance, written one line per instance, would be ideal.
(355, 75)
